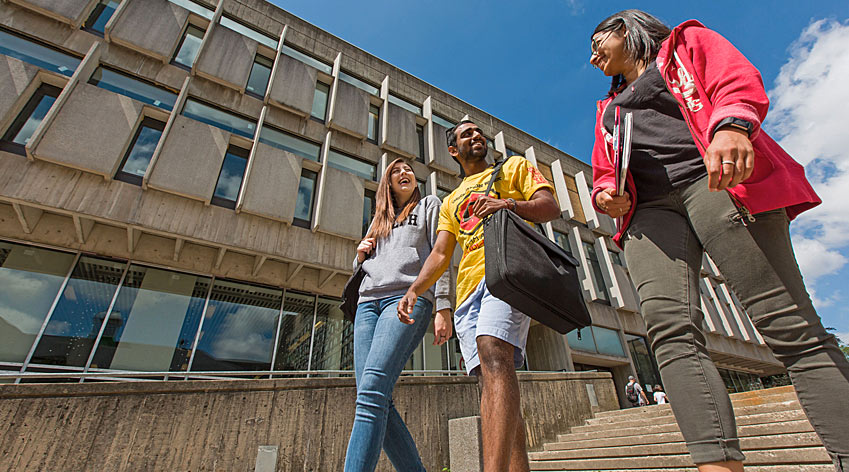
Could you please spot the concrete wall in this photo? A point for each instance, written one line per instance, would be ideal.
(350, 110)
(340, 203)
(206, 425)
(438, 156)
(293, 85)
(152, 27)
(272, 187)
(96, 143)
(68, 11)
(400, 134)
(227, 58)
(15, 77)
(190, 160)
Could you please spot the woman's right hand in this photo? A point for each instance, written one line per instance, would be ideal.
(612, 204)
(365, 248)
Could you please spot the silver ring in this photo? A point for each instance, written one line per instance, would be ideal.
(729, 162)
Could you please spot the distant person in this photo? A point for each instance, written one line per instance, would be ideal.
(634, 393)
(659, 395)
(704, 177)
(491, 333)
(398, 241)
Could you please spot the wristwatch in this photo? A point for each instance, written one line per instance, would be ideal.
(511, 204)
(736, 123)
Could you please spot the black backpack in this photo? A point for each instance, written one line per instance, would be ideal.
(631, 394)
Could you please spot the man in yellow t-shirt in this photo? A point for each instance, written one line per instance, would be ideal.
(492, 334)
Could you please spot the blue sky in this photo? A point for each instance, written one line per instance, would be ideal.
(526, 63)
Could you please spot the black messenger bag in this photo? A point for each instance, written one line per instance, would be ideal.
(531, 273)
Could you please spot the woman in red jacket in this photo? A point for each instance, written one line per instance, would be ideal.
(703, 177)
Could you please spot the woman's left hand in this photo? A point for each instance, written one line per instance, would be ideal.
(442, 327)
(730, 159)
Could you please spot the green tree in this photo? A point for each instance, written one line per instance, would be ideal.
(843, 346)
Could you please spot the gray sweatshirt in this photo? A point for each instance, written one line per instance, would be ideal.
(396, 262)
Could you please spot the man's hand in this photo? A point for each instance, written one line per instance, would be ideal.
(612, 204)
(405, 307)
(486, 205)
(729, 159)
(365, 248)
(442, 327)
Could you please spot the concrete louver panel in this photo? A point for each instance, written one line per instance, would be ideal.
(271, 190)
(597, 222)
(66, 11)
(91, 115)
(561, 189)
(627, 292)
(340, 204)
(15, 77)
(151, 27)
(350, 110)
(191, 159)
(438, 156)
(293, 85)
(400, 133)
(227, 58)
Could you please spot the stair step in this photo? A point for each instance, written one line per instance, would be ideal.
(663, 411)
(757, 397)
(799, 440)
(788, 456)
(764, 417)
(749, 468)
(743, 430)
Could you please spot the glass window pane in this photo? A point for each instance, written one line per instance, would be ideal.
(359, 83)
(190, 45)
(373, 120)
(232, 172)
(194, 8)
(368, 210)
(34, 111)
(586, 342)
(434, 356)
(249, 32)
(82, 308)
(30, 278)
(101, 15)
(595, 268)
(154, 322)
(319, 100)
(442, 121)
(442, 193)
(333, 340)
(421, 138)
(607, 342)
(405, 104)
(310, 61)
(562, 240)
(306, 193)
(260, 73)
(133, 88)
(40, 56)
(141, 150)
(219, 118)
(349, 164)
(616, 258)
(287, 142)
(238, 328)
(293, 348)
(643, 359)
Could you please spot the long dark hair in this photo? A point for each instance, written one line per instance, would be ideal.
(645, 35)
(384, 207)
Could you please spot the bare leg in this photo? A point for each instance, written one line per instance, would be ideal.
(730, 466)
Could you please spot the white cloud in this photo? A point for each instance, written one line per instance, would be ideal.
(806, 115)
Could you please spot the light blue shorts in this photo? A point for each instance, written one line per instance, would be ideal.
(482, 314)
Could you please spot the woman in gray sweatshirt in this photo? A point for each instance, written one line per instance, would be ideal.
(398, 242)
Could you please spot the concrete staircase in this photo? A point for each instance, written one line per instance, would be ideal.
(774, 432)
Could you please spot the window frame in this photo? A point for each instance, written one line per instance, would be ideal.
(126, 176)
(6, 141)
(323, 119)
(189, 25)
(257, 56)
(237, 151)
(420, 137)
(300, 222)
(95, 14)
(372, 107)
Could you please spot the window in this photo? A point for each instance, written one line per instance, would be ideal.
(350, 164)
(189, 46)
(288, 142)
(230, 179)
(96, 22)
(442, 192)
(36, 54)
(371, 89)
(141, 149)
(260, 74)
(442, 121)
(245, 30)
(306, 197)
(596, 339)
(22, 129)
(373, 122)
(293, 347)
(405, 104)
(616, 258)
(195, 8)
(333, 337)
(562, 240)
(368, 210)
(308, 60)
(319, 101)
(420, 135)
(423, 188)
(219, 118)
(595, 269)
(511, 153)
(134, 88)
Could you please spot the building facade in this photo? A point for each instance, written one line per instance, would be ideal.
(183, 184)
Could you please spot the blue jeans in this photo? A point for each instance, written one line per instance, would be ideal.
(382, 345)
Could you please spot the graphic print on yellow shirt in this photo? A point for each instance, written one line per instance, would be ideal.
(518, 179)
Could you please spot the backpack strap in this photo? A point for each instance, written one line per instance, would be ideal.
(495, 171)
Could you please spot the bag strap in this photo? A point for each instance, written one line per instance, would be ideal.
(495, 171)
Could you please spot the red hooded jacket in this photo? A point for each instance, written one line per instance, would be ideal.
(711, 80)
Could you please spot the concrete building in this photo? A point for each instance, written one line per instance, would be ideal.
(183, 184)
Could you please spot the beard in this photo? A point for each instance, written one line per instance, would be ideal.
(475, 155)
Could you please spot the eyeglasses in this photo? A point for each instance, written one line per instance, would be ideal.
(595, 44)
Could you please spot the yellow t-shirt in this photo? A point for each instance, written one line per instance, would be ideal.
(518, 179)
